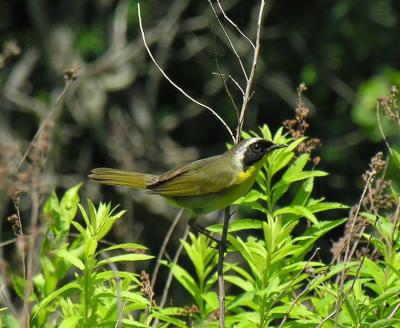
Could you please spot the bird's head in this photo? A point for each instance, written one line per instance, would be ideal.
(251, 151)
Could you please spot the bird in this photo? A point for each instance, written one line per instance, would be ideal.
(202, 186)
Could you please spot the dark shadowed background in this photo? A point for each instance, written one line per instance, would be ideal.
(122, 113)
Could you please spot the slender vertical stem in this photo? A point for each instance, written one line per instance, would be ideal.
(170, 275)
(249, 85)
(220, 268)
(164, 246)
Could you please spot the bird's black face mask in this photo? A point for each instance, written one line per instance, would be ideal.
(256, 151)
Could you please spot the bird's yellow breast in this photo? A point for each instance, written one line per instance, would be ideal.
(249, 174)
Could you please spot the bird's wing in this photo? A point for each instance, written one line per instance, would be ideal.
(194, 179)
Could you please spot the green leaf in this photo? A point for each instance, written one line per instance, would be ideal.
(243, 272)
(385, 296)
(284, 183)
(348, 305)
(252, 196)
(395, 155)
(70, 322)
(166, 315)
(300, 211)
(135, 298)
(304, 192)
(129, 323)
(68, 206)
(45, 302)
(241, 300)
(86, 219)
(52, 205)
(71, 258)
(249, 254)
(105, 219)
(211, 299)
(40, 283)
(110, 275)
(385, 323)
(266, 132)
(126, 246)
(125, 258)
(313, 233)
(238, 225)
(239, 282)
(373, 270)
(90, 247)
(18, 284)
(186, 280)
(325, 206)
(81, 229)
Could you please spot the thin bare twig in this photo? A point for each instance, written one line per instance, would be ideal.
(233, 80)
(230, 41)
(44, 122)
(163, 246)
(343, 296)
(348, 254)
(393, 313)
(222, 76)
(248, 92)
(173, 83)
(170, 274)
(234, 24)
(378, 117)
(5, 243)
(289, 285)
(29, 261)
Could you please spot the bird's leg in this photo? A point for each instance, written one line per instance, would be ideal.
(198, 228)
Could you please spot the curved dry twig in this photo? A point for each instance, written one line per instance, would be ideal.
(230, 41)
(173, 83)
(234, 24)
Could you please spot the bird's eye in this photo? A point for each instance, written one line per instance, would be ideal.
(257, 146)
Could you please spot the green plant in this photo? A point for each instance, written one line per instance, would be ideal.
(79, 284)
(274, 274)
(272, 265)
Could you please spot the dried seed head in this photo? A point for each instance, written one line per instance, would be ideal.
(11, 49)
(71, 74)
(145, 287)
(310, 271)
(15, 224)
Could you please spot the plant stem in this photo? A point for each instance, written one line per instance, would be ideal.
(220, 269)
(163, 247)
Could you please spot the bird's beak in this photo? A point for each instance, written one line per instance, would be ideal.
(277, 146)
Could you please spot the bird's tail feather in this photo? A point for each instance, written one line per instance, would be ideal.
(121, 178)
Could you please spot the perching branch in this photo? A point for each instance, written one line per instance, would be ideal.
(246, 99)
(249, 86)
(220, 267)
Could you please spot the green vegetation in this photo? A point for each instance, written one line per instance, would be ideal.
(275, 275)
(295, 256)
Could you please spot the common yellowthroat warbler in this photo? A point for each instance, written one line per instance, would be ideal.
(201, 186)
